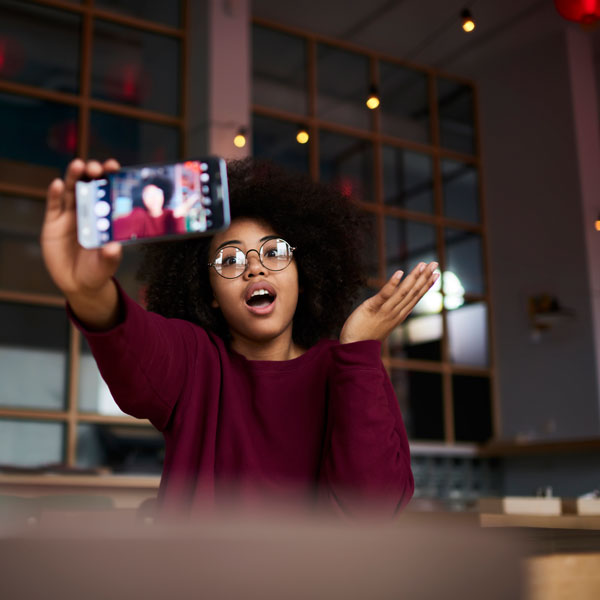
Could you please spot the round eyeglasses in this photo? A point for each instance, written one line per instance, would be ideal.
(274, 254)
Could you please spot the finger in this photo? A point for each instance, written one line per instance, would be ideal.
(387, 291)
(112, 249)
(112, 252)
(410, 300)
(54, 199)
(411, 285)
(74, 172)
(93, 169)
(111, 165)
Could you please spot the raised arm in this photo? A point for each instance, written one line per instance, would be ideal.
(142, 356)
(83, 276)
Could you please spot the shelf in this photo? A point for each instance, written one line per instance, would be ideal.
(503, 449)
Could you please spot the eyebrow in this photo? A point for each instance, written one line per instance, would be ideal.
(229, 242)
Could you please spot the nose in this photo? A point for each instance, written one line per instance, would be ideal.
(254, 267)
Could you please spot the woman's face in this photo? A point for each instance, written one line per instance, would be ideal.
(153, 199)
(266, 316)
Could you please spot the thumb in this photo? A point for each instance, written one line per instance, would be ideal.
(112, 252)
(386, 292)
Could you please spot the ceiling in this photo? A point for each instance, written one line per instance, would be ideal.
(424, 31)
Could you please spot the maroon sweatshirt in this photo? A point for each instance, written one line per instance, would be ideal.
(324, 427)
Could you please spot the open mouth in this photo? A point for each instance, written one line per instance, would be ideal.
(260, 299)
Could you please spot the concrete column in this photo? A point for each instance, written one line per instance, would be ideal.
(582, 73)
(219, 77)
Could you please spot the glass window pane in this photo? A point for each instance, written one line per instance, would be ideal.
(372, 238)
(420, 398)
(31, 443)
(93, 394)
(275, 140)
(456, 115)
(279, 70)
(404, 102)
(468, 334)
(21, 265)
(347, 162)
(460, 184)
(472, 408)
(419, 337)
(167, 13)
(407, 179)
(39, 46)
(131, 141)
(132, 449)
(343, 87)
(136, 68)
(33, 356)
(407, 243)
(464, 262)
(38, 139)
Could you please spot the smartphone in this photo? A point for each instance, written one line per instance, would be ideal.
(153, 202)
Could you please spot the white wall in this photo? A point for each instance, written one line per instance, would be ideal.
(547, 389)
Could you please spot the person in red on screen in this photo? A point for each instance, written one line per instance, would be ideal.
(148, 216)
(252, 359)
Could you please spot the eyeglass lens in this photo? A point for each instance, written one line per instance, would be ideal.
(274, 254)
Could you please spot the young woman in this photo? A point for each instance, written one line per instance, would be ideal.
(247, 361)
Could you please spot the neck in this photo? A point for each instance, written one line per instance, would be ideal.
(277, 349)
(156, 212)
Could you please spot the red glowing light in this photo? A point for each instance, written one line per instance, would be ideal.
(127, 82)
(130, 82)
(586, 12)
(192, 165)
(62, 137)
(346, 187)
(71, 137)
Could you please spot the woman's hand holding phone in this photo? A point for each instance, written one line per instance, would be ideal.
(83, 275)
(379, 315)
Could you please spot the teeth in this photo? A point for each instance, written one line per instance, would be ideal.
(259, 293)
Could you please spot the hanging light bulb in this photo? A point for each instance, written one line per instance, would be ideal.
(240, 139)
(597, 224)
(373, 99)
(302, 136)
(468, 24)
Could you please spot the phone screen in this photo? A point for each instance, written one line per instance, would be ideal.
(158, 202)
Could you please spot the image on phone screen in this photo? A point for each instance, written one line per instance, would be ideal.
(153, 202)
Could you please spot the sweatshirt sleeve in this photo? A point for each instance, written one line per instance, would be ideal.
(144, 359)
(366, 461)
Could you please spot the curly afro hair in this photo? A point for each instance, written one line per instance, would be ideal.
(163, 183)
(325, 227)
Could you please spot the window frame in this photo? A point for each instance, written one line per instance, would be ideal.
(71, 416)
(379, 209)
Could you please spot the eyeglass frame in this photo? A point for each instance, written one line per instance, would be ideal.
(259, 252)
